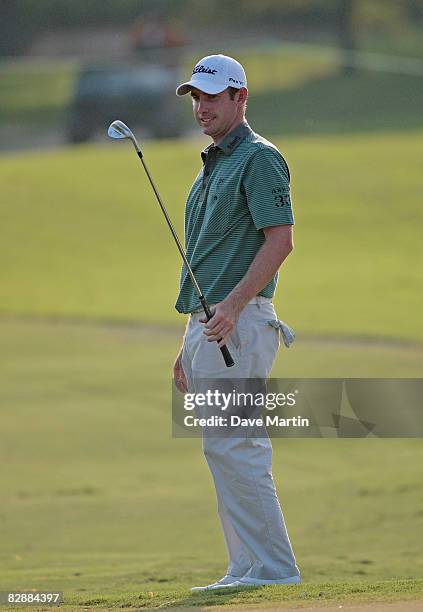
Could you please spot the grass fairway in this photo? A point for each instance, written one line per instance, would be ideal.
(292, 90)
(83, 235)
(36, 94)
(100, 502)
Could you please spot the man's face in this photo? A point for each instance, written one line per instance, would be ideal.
(216, 114)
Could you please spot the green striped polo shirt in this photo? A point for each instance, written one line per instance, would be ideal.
(242, 188)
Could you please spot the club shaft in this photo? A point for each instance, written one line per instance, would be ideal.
(224, 349)
(118, 129)
(172, 229)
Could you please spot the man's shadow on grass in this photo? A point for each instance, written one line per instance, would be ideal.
(231, 595)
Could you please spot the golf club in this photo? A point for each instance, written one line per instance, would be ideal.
(119, 130)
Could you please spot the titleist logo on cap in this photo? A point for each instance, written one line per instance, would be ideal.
(205, 69)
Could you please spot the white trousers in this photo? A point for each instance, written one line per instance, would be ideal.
(253, 525)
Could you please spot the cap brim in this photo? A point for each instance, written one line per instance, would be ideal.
(202, 85)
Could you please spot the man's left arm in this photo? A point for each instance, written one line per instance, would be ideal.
(269, 258)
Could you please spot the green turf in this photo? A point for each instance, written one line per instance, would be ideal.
(394, 42)
(82, 234)
(99, 501)
(36, 94)
(295, 90)
(292, 90)
(365, 101)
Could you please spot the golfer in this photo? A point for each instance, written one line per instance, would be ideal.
(238, 232)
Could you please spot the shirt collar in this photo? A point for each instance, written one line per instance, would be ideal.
(231, 140)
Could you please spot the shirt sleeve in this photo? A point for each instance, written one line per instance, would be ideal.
(267, 189)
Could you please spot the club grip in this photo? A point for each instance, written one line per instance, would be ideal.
(227, 356)
(224, 349)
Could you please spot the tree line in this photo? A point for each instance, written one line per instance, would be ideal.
(22, 20)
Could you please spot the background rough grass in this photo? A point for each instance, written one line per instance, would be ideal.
(83, 235)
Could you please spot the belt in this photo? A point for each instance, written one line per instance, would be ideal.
(258, 299)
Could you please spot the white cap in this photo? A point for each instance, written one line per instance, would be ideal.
(214, 74)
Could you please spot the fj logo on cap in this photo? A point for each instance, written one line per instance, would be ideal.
(205, 69)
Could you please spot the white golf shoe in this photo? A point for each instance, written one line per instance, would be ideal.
(220, 584)
(252, 582)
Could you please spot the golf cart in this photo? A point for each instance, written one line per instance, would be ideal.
(141, 94)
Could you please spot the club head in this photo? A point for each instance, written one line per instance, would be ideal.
(118, 129)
